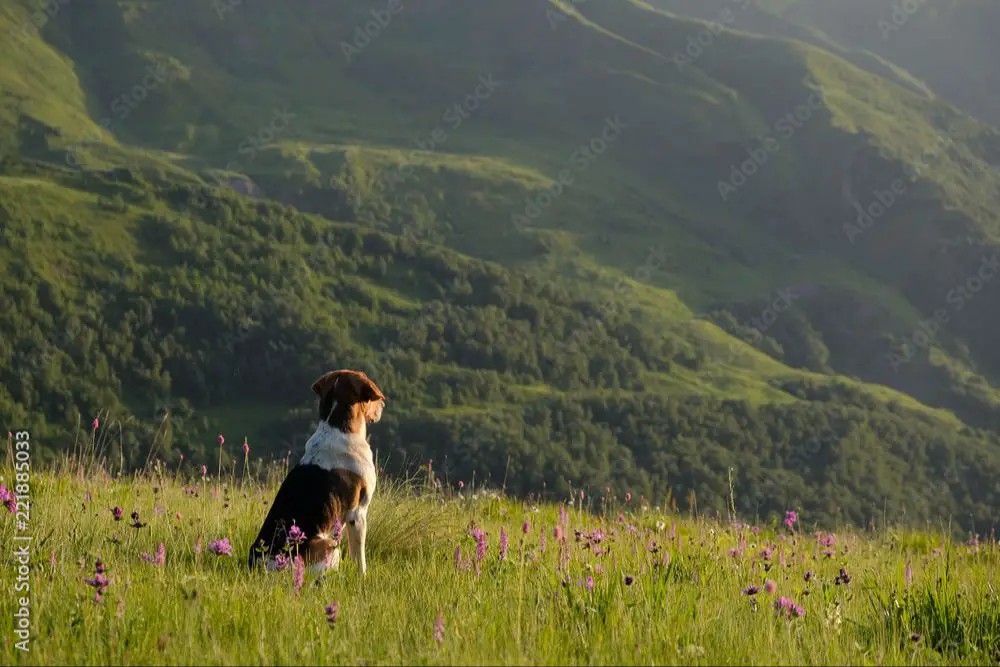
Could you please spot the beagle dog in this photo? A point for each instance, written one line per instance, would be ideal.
(333, 483)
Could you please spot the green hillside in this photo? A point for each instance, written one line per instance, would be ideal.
(564, 281)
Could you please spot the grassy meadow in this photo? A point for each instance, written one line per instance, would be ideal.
(594, 581)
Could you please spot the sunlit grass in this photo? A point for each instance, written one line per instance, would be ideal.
(666, 589)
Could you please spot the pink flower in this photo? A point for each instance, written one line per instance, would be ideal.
(461, 484)
(295, 536)
(439, 627)
(503, 544)
(8, 498)
(298, 573)
(246, 447)
(204, 470)
(159, 559)
(589, 583)
(770, 587)
(221, 440)
(280, 562)
(526, 527)
(628, 496)
(221, 547)
(95, 424)
(331, 612)
(790, 518)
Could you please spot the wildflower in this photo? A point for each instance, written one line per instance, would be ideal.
(770, 587)
(808, 575)
(280, 562)
(159, 559)
(790, 518)
(99, 581)
(787, 607)
(735, 552)
(135, 520)
(461, 484)
(589, 583)
(503, 544)
(766, 553)
(526, 527)
(221, 440)
(8, 498)
(827, 540)
(331, 612)
(204, 471)
(117, 513)
(246, 447)
(908, 574)
(298, 573)
(628, 496)
(843, 577)
(628, 580)
(558, 534)
(541, 542)
(439, 627)
(221, 547)
(197, 546)
(295, 536)
(563, 516)
(751, 590)
(95, 424)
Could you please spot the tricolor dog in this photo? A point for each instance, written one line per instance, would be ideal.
(333, 483)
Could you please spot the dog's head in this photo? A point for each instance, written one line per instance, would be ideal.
(353, 391)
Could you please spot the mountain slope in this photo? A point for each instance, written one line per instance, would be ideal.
(540, 334)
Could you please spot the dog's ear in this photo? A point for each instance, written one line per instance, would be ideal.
(325, 383)
(369, 390)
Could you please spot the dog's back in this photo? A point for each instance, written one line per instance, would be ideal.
(314, 499)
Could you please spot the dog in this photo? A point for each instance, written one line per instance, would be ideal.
(332, 486)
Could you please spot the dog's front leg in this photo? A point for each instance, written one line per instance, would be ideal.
(357, 528)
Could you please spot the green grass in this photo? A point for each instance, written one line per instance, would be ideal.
(682, 605)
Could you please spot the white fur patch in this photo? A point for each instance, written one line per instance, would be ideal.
(332, 449)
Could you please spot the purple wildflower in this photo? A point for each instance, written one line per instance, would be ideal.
(589, 583)
(8, 498)
(770, 587)
(808, 576)
(159, 559)
(298, 573)
(295, 536)
(628, 580)
(503, 544)
(221, 547)
(117, 513)
(331, 612)
(541, 542)
(439, 627)
(791, 517)
(280, 562)
(526, 527)
(751, 590)
(100, 582)
(842, 578)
